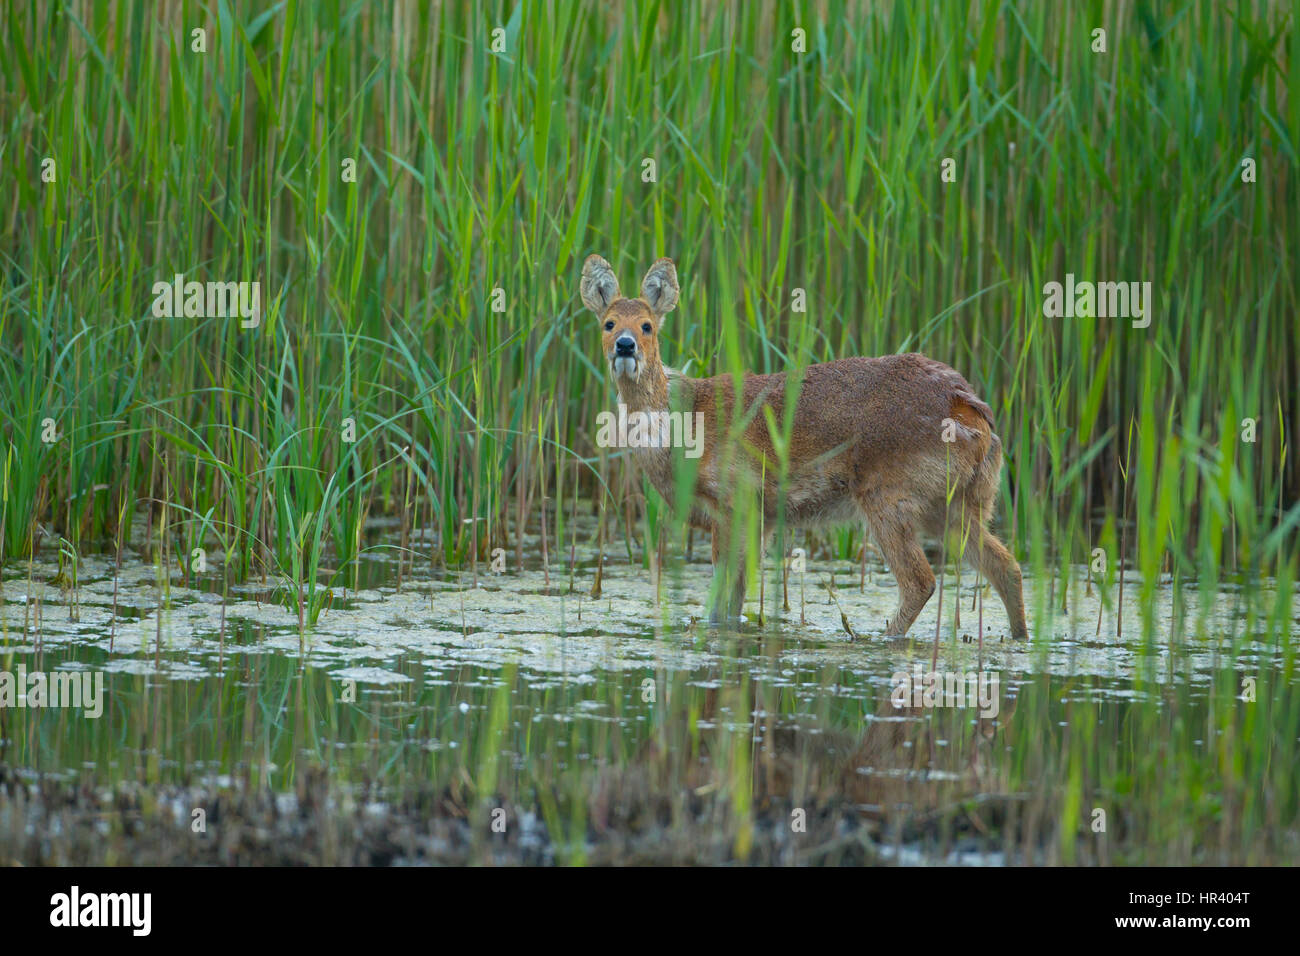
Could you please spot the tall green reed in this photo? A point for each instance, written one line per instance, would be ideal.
(431, 301)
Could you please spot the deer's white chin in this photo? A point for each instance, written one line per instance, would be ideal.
(624, 365)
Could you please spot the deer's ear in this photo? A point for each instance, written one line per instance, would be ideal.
(659, 287)
(599, 285)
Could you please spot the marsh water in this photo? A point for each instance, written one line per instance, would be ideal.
(471, 715)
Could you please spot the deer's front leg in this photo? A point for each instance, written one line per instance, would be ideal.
(727, 594)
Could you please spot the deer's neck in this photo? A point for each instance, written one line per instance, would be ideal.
(648, 392)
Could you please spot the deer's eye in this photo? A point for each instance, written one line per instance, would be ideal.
(645, 327)
(609, 326)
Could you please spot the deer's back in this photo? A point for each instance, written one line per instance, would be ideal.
(861, 426)
(892, 402)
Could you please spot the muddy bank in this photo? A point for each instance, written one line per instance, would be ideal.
(61, 824)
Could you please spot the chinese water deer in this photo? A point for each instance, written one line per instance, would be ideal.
(901, 440)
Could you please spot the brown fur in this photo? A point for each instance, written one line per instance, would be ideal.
(868, 442)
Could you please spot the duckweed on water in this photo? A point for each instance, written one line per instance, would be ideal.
(623, 727)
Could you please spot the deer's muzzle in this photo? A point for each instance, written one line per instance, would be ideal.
(624, 359)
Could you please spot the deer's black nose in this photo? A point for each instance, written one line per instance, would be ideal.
(625, 345)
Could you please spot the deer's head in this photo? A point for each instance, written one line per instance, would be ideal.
(630, 327)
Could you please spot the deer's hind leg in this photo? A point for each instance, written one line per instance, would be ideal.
(985, 552)
(900, 543)
(991, 557)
